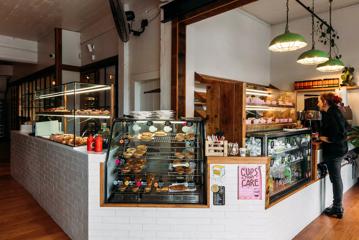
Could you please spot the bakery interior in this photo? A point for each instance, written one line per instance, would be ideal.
(174, 119)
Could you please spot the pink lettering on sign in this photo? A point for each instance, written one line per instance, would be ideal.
(249, 183)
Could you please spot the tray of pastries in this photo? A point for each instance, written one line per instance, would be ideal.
(92, 112)
(68, 139)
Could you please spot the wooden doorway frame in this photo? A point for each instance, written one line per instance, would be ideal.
(178, 57)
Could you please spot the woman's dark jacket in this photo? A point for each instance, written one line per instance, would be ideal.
(334, 126)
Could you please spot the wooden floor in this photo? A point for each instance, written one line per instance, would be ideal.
(326, 228)
(20, 215)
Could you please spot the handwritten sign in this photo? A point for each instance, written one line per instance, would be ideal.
(249, 183)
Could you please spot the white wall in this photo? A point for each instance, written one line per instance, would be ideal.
(103, 36)
(18, 50)
(231, 45)
(285, 70)
(45, 46)
(71, 49)
(144, 50)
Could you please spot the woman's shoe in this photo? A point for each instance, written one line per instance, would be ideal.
(334, 212)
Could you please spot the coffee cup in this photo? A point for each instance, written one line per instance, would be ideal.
(242, 152)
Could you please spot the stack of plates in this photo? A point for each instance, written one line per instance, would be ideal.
(163, 114)
(159, 114)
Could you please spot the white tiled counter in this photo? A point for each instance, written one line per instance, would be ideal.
(57, 177)
(66, 183)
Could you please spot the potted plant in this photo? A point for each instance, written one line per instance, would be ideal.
(348, 76)
(353, 136)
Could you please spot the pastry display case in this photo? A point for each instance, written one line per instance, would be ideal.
(291, 162)
(156, 162)
(269, 109)
(70, 112)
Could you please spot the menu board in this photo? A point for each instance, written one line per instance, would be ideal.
(249, 182)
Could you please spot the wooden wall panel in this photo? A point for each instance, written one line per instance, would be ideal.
(226, 110)
(239, 127)
(225, 107)
(213, 108)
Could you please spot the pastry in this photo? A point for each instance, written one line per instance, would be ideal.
(189, 170)
(189, 155)
(122, 188)
(131, 150)
(142, 147)
(135, 189)
(180, 137)
(179, 155)
(137, 169)
(160, 134)
(164, 189)
(145, 136)
(178, 188)
(148, 189)
(127, 154)
(179, 170)
(190, 137)
(139, 153)
(177, 162)
(126, 169)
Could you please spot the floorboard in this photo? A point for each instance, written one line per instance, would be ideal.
(21, 216)
(327, 228)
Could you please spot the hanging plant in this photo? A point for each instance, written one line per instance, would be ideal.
(328, 36)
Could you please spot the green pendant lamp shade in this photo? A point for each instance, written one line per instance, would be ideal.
(332, 65)
(313, 56)
(288, 41)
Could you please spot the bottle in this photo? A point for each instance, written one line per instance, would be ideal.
(90, 142)
(98, 143)
(105, 132)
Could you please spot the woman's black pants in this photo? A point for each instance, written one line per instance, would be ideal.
(334, 169)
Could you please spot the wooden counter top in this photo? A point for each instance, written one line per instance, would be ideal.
(238, 160)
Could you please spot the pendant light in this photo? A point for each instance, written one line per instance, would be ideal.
(313, 56)
(333, 64)
(287, 41)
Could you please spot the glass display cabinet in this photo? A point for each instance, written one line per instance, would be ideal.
(291, 160)
(156, 162)
(269, 109)
(70, 112)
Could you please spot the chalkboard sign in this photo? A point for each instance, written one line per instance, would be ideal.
(219, 197)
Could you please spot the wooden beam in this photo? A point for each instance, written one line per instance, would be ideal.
(58, 56)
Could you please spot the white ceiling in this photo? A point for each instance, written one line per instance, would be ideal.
(33, 19)
(273, 11)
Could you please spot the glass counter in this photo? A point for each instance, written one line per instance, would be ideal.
(156, 162)
(70, 112)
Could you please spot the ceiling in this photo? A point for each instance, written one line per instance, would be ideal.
(33, 19)
(273, 11)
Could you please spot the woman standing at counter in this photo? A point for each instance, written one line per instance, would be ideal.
(333, 136)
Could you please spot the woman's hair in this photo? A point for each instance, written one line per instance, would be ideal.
(331, 99)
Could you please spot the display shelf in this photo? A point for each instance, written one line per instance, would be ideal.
(284, 151)
(73, 108)
(254, 106)
(286, 162)
(71, 115)
(73, 88)
(162, 160)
